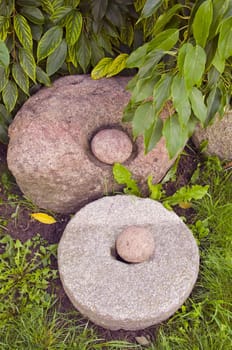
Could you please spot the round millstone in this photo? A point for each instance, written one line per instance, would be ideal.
(135, 244)
(113, 293)
(111, 146)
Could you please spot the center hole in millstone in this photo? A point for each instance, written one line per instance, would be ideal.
(111, 145)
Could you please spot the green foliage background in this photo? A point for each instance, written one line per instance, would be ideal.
(180, 51)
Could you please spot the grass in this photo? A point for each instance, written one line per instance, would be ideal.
(29, 317)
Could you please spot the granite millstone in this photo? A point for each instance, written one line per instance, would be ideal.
(115, 294)
(49, 150)
(219, 137)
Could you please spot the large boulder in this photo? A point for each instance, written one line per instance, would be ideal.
(50, 152)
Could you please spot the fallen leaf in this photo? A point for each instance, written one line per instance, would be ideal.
(44, 218)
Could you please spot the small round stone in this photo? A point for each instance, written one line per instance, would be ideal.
(111, 146)
(135, 244)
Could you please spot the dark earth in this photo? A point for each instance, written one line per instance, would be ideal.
(24, 228)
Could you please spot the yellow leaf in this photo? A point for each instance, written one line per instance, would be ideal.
(118, 64)
(185, 205)
(101, 69)
(44, 218)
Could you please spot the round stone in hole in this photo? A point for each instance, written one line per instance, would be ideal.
(135, 244)
(111, 146)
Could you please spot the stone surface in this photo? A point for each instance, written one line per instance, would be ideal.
(111, 146)
(115, 294)
(219, 136)
(135, 244)
(49, 151)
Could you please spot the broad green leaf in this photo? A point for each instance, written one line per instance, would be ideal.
(187, 194)
(153, 134)
(219, 62)
(127, 34)
(3, 78)
(202, 21)
(98, 9)
(213, 77)
(213, 103)
(118, 64)
(225, 39)
(73, 27)
(5, 115)
(4, 26)
(124, 177)
(42, 77)
(137, 57)
(180, 99)
(162, 92)
(33, 14)
(49, 42)
(155, 189)
(27, 62)
(23, 31)
(181, 56)
(129, 111)
(194, 65)
(143, 89)
(143, 118)
(60, 13)
(83, 52)
(163, 19)
(164, 40)
(36, 31)
(4, 55)
(57, 58)
(198, 104)
(10, 95)
(101, 68)
(152, 59)
(219, 8)
(47, 6)
(150, 7)
(175, 135)
(44, 218)
(97, 52)
(20, 77)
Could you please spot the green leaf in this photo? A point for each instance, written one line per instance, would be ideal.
(155, 190)
(98, 9)
(42, 77)
(164, 40)
(153, 134)
(49, 42)
(57, 58)
(123, 176)
(73, 27)
(163, 19)
(83, 52)
(118, 64)
(143, 118)
(180, 99)
(225, 39)
(143, 89)
(202, 21)
(129, 111)
(101, 68)
(175, 135)
(162, 92)
(150, 7)
(213, 103)
(47, 6)
(181, 56)
(219, 8)
(23, 31)
(20, 77)
(4, 26)
(60, 13)
(10, 95)
(187, 194)
(152, 59)
(198, 105)
(4, 55)
(219, 62)
(137, 57)
(33, 14)
(27, 62)
(3, 78)
(194, 65)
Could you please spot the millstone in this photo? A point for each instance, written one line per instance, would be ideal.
(113, 293)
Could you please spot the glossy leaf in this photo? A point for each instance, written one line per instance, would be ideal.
(73, 27)
(49, 42)
(181, 56)
(101, 69)
(83, 52)
(43, 218)
(175, 135)
(118, 64)
(143, 89)
(164, 18)
(225, 39)
(198, 105)
(137, 57)
(153, 134)
(23, 31)
(57, 58)
(194, 65)
(4, 55)
(3, 78)
(143, 118)
(150, 7)
(33, 14)
(219, 62)
(27, 62)
(219, 8)
(161, 92)
(180, 99)
(60, 13)
(20, 77)
(164, 40)
(4, 26)
(47, 6)
(202, 21)
(42, 77)
(10, 95)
